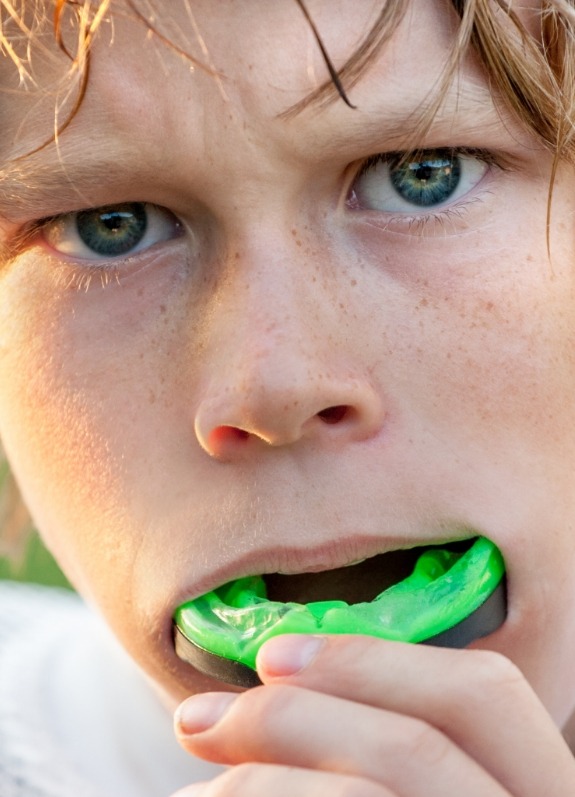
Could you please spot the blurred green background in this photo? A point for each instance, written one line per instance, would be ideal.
(37, 565)
(33, 563)
(28, 559)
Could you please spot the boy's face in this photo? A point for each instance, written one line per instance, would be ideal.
(299, 364)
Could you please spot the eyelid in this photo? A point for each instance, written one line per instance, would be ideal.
(487, 156)
(401, 156)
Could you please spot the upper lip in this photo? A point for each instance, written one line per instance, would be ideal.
(295, 560)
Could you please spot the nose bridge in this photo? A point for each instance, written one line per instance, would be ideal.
(271, 320)
(278, 364)
(277, 311)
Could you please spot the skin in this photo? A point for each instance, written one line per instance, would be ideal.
(172, 426)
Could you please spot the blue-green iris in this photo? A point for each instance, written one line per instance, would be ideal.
(113, 230)
(426, 180)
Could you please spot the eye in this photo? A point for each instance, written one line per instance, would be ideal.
(111, 231)
(397, 182)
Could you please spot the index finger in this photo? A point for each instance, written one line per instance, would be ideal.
(478, 698)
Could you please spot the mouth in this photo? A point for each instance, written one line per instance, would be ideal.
(358, 582)
(447, 594)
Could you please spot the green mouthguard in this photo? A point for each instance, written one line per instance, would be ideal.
(232, 622)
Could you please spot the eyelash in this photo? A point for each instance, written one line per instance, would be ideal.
(79, 273)
(485, 155)
(442, 214)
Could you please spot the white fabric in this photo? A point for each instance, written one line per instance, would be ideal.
(77, 718)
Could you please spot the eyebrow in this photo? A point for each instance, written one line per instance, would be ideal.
(468, 110)
(31, 185)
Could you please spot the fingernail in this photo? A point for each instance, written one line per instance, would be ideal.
(198, 713)
(288, 654)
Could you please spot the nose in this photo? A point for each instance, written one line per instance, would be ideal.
(281, 367)
(279, 409)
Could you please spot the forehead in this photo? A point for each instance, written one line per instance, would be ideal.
(211, 82)
(243, 54)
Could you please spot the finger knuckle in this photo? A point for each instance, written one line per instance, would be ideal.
(496, 675)
(427, 745)
(413, 739)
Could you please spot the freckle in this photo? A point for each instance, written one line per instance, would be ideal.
(162, 309)
(140, 291)
(152, 397)
(294, 232)
(353, 283)
(237, 255)
(298, 243)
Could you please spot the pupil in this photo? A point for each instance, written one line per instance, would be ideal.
(427, 181)
(113, 221)
(114, 230)
(423, 172)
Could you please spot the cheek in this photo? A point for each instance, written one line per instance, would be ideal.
(499, 356)
(82, 374)
(477, 356)
(486, 339)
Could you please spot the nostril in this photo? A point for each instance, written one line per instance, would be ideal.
(334, 414)
(224, 434)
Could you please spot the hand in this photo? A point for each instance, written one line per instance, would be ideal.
(357, 716)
